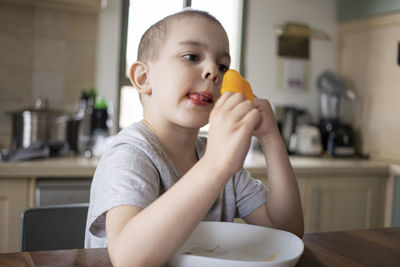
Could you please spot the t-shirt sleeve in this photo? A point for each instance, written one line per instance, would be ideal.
(125, 176)
(250, 193)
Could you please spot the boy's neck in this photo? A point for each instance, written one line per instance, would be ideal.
(178, 143)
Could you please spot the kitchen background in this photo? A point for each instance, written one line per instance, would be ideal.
(45, 51)
(57, 48)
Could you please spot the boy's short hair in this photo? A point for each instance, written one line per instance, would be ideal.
(154, 38)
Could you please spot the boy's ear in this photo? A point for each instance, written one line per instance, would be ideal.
(139, 77)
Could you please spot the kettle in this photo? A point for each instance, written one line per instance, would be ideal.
(291, 118)
(308, 140)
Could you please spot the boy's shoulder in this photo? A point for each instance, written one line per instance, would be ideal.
(140, 136)
(135, 139)
(136, 134)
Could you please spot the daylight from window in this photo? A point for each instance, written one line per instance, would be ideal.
(144, 13)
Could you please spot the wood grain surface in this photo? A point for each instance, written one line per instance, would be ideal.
(372, 247)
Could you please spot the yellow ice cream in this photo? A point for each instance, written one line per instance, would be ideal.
(234, 82)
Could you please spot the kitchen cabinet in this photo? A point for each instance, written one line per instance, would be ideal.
(337, 196)
(335, 203)
(352, 10)
(344, 203)
(15, 196)
(396, 200)
(17, 189)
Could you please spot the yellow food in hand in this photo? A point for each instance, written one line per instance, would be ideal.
(234, 82)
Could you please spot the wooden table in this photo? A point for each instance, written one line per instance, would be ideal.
(376, 247)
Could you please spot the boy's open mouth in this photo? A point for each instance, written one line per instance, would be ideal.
(200, 98)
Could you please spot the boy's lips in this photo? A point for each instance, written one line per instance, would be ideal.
(200, 98)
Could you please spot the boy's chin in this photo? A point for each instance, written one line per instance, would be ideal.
(195, 124)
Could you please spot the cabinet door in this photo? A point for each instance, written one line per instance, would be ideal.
(396, 203)
(344, 203)
(14, 197)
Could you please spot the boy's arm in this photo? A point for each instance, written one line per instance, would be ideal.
(150, 236)
(283, 208)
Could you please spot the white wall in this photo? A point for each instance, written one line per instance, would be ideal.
(108, 52)
(260, 60)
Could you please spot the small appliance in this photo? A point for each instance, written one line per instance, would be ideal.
(308, 140)
(289, 118)
(337, 106)
(341, 142)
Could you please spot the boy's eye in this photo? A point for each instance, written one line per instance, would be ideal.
(223, 68)
(191, 57)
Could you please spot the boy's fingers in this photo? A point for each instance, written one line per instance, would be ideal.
(229, 101)
(241, 109)
(252, 119)
(222, 99)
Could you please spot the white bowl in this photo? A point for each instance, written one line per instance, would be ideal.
(234, 244)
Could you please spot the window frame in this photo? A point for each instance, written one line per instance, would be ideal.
(125, 81)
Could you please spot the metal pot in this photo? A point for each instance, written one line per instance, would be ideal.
(39, 125)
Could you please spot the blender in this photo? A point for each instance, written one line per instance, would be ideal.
(336, 115)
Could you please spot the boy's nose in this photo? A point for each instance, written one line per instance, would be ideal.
(211, 73)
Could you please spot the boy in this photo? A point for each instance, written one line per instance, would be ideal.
(159, 179)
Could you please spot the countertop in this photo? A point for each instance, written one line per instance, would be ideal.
(321, 165)
(82, 167)
(54, 167)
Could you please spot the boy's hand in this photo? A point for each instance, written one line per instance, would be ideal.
(232, 123)
(268, 125)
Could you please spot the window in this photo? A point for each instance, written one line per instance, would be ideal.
(139, 15)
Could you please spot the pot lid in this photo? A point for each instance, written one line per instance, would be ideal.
(41, 106)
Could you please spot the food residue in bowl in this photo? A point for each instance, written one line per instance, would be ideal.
(201, 251)
(235, 254)
(273, 257)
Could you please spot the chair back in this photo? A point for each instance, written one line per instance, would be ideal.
(53, 227)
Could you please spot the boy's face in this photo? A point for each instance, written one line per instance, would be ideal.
(186, 78)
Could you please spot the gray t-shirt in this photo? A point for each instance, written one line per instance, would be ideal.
(136, 171)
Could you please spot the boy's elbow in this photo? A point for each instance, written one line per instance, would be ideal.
(294, 228)
(300, 232)
(123, 258)
(123, 263)
(300, 229)
(118, 259)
